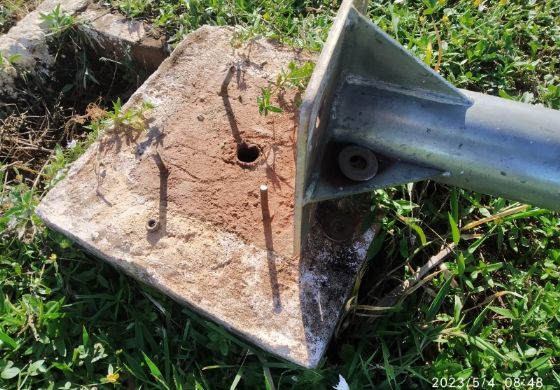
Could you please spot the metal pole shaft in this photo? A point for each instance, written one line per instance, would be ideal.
(495, 146)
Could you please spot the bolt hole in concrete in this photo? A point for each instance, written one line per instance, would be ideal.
(152, 225)
(247, 153)
(338, 225)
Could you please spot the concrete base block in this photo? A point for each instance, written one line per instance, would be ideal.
(177, 204)
(122, 39)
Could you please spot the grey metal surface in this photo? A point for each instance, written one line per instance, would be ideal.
(368, 90)
(496, 146)
(314, 114)
(357, 163)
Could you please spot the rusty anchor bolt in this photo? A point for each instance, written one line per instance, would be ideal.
(264, 201)
(225, 83)
(152, 225)
(159, 162)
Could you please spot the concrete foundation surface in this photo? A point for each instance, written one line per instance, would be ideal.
(177, 202)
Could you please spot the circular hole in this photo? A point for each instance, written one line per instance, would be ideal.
(247, 153)
(358, 162)
(338, 226)
(152, 225)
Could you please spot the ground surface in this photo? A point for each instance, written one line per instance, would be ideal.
(490, 316)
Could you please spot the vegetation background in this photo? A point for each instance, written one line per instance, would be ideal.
(488, 318)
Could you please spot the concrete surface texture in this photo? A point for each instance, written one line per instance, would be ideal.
(122, 39)
(175, 205)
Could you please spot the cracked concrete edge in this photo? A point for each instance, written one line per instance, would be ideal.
(124, 39)
(27, 40)
(112, 35)
(153, 281)
(149, 276)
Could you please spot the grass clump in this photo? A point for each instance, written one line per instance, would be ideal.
(131, 118)
(298, 23)
(61, 24)
(500, 47)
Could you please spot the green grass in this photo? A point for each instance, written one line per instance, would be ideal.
(491, 314)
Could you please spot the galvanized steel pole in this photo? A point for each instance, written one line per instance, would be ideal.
(495, 146)
(368, 92)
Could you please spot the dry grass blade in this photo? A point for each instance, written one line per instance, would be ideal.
(490, 298)
(411, 284)
(495, 217)
(440, 49)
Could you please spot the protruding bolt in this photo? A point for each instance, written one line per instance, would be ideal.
(225, 83)
(159, 162)
(264, 201)
(152, 225)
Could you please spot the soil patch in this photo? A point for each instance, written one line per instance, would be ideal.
(219, 151)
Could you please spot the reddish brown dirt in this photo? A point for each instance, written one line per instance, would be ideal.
(206, 179)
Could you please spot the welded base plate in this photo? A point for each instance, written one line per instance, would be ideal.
(195, 229)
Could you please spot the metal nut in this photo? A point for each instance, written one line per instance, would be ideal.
(357, 163)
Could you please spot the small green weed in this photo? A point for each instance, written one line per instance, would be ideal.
(295, 77)
(61, 24)
(299, 23)
(263, 100)
(133, 8)
(18, 211)
(117, 119)
(9, 61)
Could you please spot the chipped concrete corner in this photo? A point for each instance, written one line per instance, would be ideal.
(114, 36)
(124, 39)
(213, 249)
